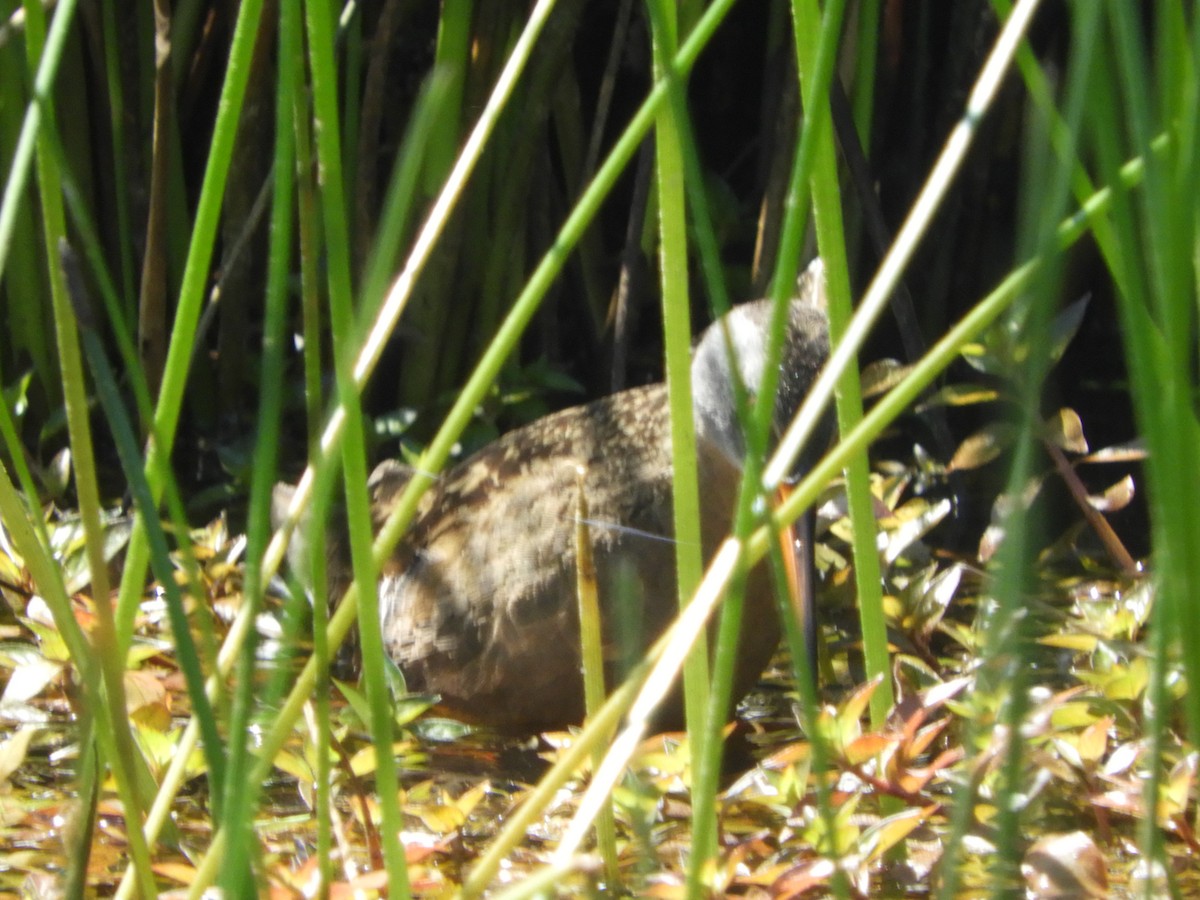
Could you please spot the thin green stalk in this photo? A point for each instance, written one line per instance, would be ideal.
(867, 24)
(419, 372)
(350, 67)
(321, 41)
(1061, 139)
(1156, 304)
(709, 751)
(125, 439)
(1132, 77)
(1003, 673)
(241, 803)
(27, 325)
(124, 766)
(1005, 628)
(16, 452)
(1146, 358)
(1004, 622)
(402, 194)
(323, 688)
(77, 841)
(866, 58)
(22, 162)
(1046, 195)
(591, 642)
(187, 311)
(452, 57)
(135, 381)
(831, 241)
(114, 304)
(309, 241)
(816, 119)
(673, 272)
(291, 88)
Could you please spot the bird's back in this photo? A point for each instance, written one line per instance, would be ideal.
(479, 604)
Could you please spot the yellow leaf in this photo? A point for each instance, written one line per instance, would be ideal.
(1093, 741)
(1065, 429)
(441, 818)
(866, 747)
(889, 832)
(1084, 643)
(12, 752)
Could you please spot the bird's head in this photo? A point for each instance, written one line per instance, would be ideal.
(805, 349)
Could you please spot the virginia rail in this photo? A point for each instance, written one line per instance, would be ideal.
(478, 603)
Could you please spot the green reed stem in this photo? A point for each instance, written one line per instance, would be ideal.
(321, 41)
(242, 796)
(827, 218)
(123, 757)
(673, 272)
(187, 311)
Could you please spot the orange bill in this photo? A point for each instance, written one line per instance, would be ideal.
(799, 567)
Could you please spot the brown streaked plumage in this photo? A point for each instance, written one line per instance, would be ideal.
(478, 603)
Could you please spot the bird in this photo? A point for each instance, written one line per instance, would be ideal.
(478, 603)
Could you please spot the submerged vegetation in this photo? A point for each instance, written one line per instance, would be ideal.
(240, 239)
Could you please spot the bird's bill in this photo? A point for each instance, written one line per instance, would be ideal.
(799, 567)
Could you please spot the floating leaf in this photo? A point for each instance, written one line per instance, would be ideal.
(849, 716)
(29, 679)
(959, 395)
(143, 689)
(12, 752)
(883, 375)
(440, 818)
(298, 768)
(56, 476)
(983, 446)
(1115, 497)
(176, 871)
(1064, 429)
(1084, 643)
(1134, 451)
(41, 623)
(800, 880)
(914, 520)
(866, 747)
(890, 831)
(1122, 682)
(1093, 740)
